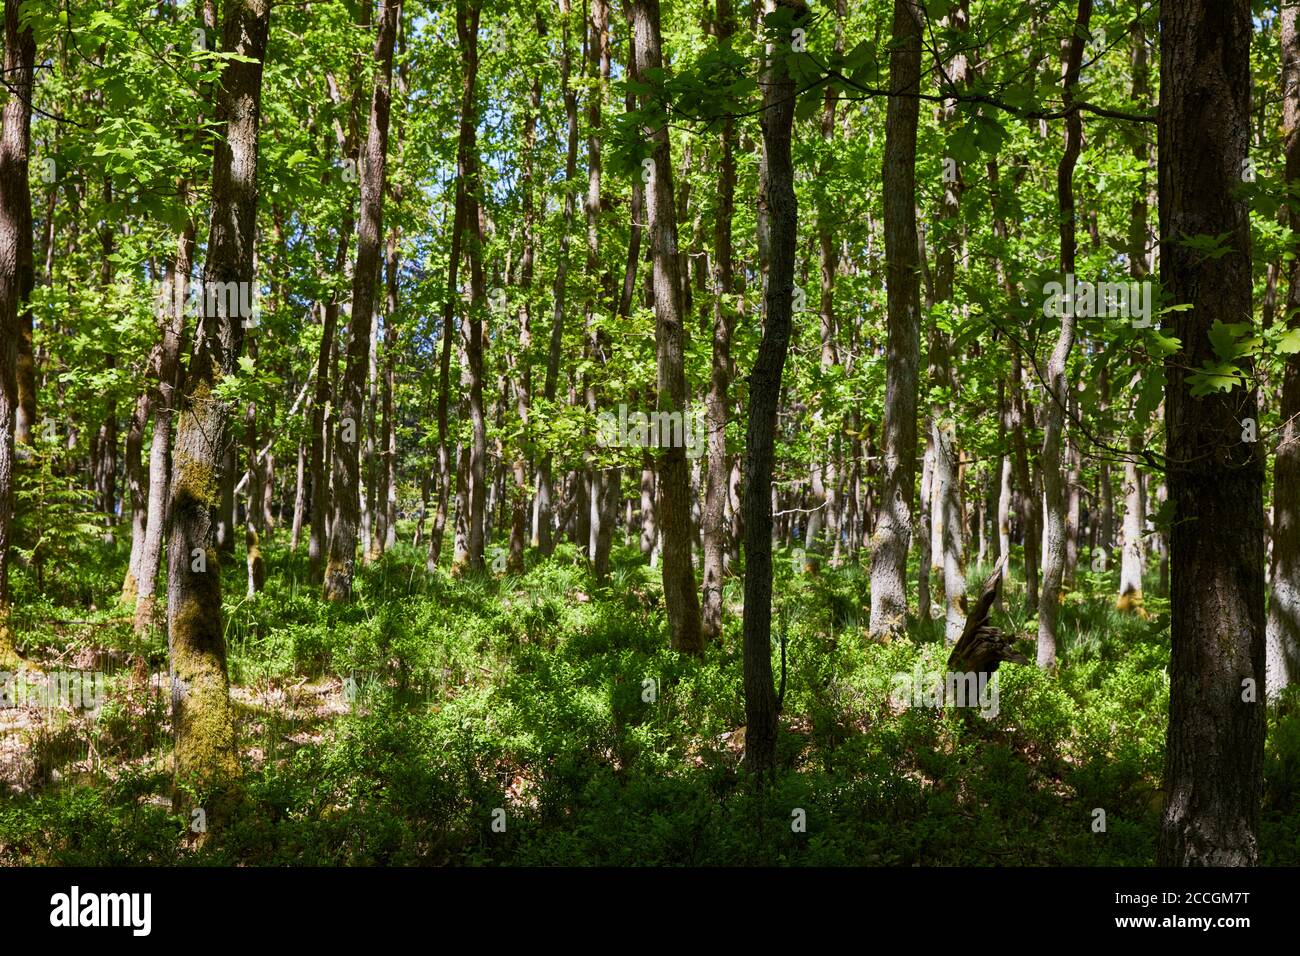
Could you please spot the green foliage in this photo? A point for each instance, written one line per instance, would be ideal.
(559, 704)
(56, 532)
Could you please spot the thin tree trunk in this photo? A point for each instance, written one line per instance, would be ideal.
(604, 484)
(1282, 638)
(543, 534)
(714, 526)
(522, 364)
(649, 529)
(299, 496)
(386, 528)
(1073, 502)
(368, 493)
(444, 384)
(1132, 553)
(823, 476)
(104, 444)
(950, 518)
(1054, 498)
(762, 704)
(467, 19)
(1106, 527)
(320, 497)
(946, 512)
(1026, 502)
(1005, 471)
(164, 426)
(136, 477)
(1132, 558)
(343, 537)
(925, 537)
(1030, 505)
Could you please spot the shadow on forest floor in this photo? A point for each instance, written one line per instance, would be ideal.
(541, 720)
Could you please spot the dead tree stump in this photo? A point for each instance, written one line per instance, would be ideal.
(982, 647)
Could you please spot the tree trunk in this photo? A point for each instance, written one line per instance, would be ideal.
(1073, 503)
(253, 504)
(368, 493)
(137, 478)
(467, 19)
(1132, 553)
(343, 537)
(1054, 497)
(925, 537)
(1025, 501)
(680, 596)
(543, 532)
(226, 498)
(649, 529)
(206, 757)
(164, 425)
(522, 363)
(714, 526)
(16, 274)
(762, 703)
(386, 516)
(1215, 746)
(948, 532)
(104, 444)
(444, 382)
(299, 497)
(19, 70)
(823, 476)
(893, 530)
(1131, 558)
(603, 490)
(320, 498)
(1282, 638)
(949, 517)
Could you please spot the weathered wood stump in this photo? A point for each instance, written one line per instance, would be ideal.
(982, 647)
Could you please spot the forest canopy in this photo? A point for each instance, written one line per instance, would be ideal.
(710, 432)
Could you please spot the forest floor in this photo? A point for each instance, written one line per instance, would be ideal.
(539, 719)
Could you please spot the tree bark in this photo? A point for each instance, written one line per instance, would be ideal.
(136, 472)
(386, 510)
(206, 756)
(674, 504)
(543, 533)
(522, 363)
(467, 20)
(762, 703)
(19, 70)
(164, 425)
(1215, 745)
(343, 532)
(104, 444)
(16, 274)
(1132, 554)
(604, 483)
(1282, 637)
(823, 476)
(948, 515)
(713, 525)
(299, 497)
(893, 529)
(1131, 559)
(1054, 496)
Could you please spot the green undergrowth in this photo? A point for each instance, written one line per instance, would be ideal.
(540, 719)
